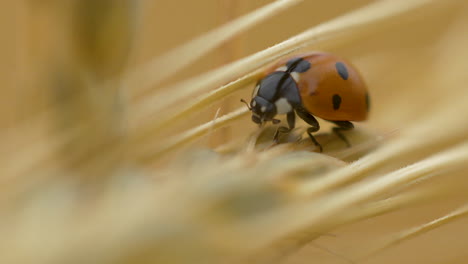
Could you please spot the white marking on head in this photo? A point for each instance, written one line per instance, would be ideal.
(282, 68)
(254, 103)
(296, 76)
(255, 91)
(263, 109)
(282, 106)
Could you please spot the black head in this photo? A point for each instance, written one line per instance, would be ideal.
(262, 110)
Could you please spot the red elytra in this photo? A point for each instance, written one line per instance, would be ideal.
(312, 84)
(322, 81)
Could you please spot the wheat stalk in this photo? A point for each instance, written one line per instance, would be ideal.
(104, 172)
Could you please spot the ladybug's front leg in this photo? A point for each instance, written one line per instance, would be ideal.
(291, 117)
(315, 126)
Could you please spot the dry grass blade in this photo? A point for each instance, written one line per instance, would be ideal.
(291, 244)
(154, 150)
(200, 103)
(150, 74)
(454, 158)
(365, 18)
(331, 206)
(393, 203)
(424, 228)
(408, 143)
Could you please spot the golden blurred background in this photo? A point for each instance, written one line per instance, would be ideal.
(415, 66)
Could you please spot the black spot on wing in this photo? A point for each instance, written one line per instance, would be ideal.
(298, 65)
(342, 70)
(336, 100)
(292, 62)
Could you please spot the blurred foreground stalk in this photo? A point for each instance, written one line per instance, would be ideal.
(86, 83)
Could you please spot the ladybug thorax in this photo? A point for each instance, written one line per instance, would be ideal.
(275, 94)
(278, 93)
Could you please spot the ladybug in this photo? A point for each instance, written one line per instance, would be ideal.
(313, 84)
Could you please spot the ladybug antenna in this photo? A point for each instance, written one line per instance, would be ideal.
(247, 104)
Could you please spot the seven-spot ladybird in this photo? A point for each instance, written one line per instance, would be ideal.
(313, 84)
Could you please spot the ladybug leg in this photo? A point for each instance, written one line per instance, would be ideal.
(315, 126)
(291, 117)
(342, 126)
